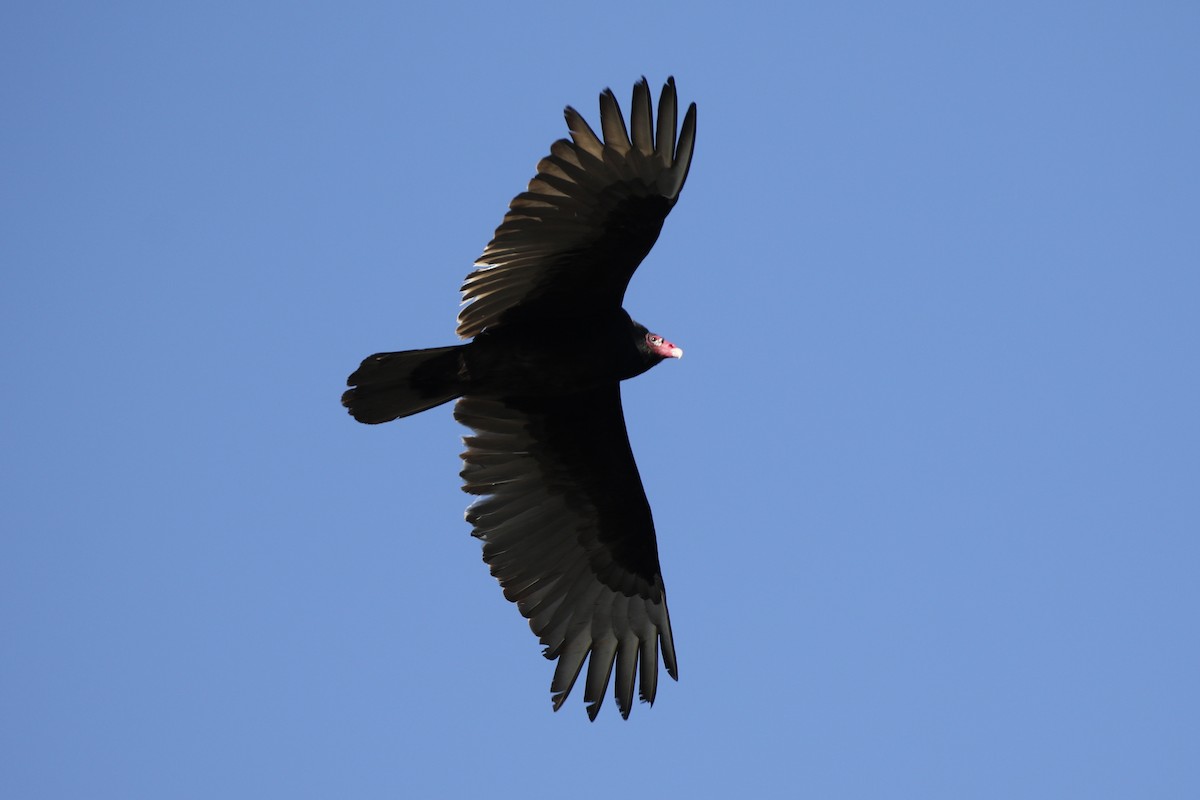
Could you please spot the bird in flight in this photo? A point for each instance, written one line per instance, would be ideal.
(564, 520)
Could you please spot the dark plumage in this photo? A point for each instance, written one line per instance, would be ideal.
(564, 520)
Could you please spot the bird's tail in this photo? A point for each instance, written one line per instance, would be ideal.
(388, 386)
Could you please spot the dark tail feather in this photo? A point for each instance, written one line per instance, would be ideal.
(393, 385)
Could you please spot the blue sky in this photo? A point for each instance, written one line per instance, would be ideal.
(927, 483)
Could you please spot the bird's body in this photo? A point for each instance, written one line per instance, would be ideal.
(564, 519)
(523, 362)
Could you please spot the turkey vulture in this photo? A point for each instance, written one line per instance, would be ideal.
(564, 520)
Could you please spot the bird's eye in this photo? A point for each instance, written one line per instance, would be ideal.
(655, 339)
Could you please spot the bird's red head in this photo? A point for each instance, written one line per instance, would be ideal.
(660, 346)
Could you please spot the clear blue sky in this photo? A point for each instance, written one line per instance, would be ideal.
(927, 483)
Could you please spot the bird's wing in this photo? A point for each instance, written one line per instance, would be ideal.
(566, 529)
(572, 240)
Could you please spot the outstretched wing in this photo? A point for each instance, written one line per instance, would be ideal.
(567, 531)
(572, 240)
